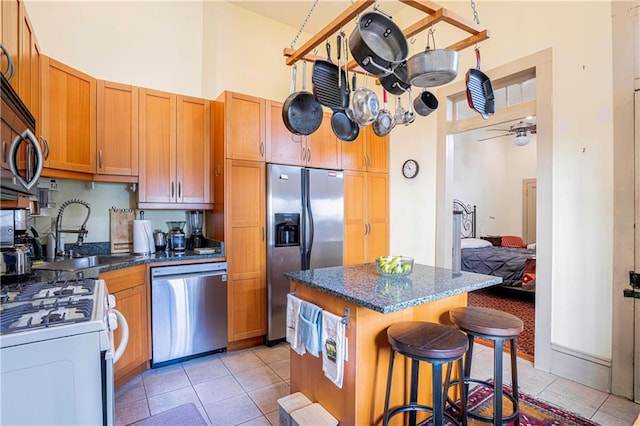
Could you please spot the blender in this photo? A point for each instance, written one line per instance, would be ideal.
(196, 239)
(176, 235)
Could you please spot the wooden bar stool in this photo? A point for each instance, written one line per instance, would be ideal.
(497, 326)
(436, 344)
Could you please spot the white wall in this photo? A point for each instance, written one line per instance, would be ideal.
(489, 174)
(157, 48)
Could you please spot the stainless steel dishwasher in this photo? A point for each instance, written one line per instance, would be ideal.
(188, 311)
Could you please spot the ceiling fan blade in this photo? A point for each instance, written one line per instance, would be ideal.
(499, 130)
(492, 137)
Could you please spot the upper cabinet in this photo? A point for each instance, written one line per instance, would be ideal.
(175, 151)
(117, 127)
(368, 152)
(321, 149)
(68, 117)
(244, 126)
(18, 37)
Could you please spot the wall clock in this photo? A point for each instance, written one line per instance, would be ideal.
(410, 169)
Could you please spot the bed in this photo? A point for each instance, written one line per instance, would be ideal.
(487, 255)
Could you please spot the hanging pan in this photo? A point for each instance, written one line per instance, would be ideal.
(479, 90)
(301, 113)
(343, 126)
(328, 83)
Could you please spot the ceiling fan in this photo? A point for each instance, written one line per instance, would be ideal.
(520, 130)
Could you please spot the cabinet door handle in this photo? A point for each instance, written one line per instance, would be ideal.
(304, 154)
(4, 151)
(45, 144)
(308, 154)
(263, 233)
(261, 149)
(100, 159)
(365, 229)
(172, 189)
(218, 170)
(179, 189)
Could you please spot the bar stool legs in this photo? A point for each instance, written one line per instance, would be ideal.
(499, 327)
(413, 341)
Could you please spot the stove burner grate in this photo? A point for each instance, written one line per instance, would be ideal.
(60, 312)
(26, 292)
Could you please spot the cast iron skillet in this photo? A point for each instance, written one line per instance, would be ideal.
(301, 113)
(479, 90)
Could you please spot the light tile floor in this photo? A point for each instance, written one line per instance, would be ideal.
(243, 388)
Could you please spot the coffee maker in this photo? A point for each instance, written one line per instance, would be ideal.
(196, 239)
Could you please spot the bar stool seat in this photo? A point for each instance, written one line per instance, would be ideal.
(436, 344)
(497, 326)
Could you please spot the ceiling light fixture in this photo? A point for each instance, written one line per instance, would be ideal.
(521, 139)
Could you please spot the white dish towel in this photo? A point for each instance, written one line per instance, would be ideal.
(293, 334)
(333, 347)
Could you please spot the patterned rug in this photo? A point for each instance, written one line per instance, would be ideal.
(515, 303)
(533, 412)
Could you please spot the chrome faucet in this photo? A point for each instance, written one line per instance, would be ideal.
(82, 232)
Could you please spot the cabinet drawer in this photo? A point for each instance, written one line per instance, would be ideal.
(122, 279)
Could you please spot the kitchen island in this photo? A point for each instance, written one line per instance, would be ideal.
(371, 303)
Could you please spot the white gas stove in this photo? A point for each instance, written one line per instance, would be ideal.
(58, 334)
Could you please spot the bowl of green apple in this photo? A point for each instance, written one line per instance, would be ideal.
(394, 266)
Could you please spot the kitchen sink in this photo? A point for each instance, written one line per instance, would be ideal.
(78, 263)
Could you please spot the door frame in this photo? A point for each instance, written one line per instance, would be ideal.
(625, 379)
(540, 65)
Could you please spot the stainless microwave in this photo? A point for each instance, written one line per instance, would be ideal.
(21, 152)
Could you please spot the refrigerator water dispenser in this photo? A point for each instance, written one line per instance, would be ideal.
(287, 229)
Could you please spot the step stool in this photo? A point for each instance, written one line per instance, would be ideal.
(312, 415)
(290, 403)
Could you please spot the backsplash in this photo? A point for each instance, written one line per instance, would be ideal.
(101, 197)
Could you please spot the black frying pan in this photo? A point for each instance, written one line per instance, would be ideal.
(301, 113)
(327, 89)
(343, 127)
(479, 90)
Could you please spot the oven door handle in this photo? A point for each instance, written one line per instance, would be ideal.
(124, 340)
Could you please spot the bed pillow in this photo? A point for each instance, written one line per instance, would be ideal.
(513, 241)
(474, 243)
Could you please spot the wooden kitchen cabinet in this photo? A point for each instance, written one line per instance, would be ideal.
(246, 249)
(174, 151)
(67, 117)
(321, 149)
(128, 285)
(366, 216)
(10, 35)
(117, 127)
(244, 126)
(18, 38)
(368, 153)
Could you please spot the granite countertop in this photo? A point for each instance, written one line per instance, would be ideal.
(363, 286)
(129, 260)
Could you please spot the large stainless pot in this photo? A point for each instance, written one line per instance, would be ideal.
(15, 262)
(378, 44)
(433, 67)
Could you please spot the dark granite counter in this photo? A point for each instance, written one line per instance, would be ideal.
(129, 260)
(363, 286)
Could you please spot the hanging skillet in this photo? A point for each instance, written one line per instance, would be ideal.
(328, 83)
(301, 113)
(343, 126)
(479, 90)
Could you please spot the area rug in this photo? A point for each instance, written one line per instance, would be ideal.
(518, 304)
(183, 415)
(533, 412)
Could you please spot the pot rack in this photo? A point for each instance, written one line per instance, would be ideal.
(436, 14)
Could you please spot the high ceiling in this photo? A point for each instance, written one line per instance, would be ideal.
(294, 12)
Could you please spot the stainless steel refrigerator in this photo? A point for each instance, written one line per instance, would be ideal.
(305, 211)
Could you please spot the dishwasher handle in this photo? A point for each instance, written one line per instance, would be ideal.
(191, 270)
(163, 277)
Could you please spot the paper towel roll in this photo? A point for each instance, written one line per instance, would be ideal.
(143, 237)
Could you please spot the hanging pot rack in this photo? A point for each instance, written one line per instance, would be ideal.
(436, 14)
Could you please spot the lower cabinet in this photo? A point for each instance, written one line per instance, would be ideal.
(128, 285)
